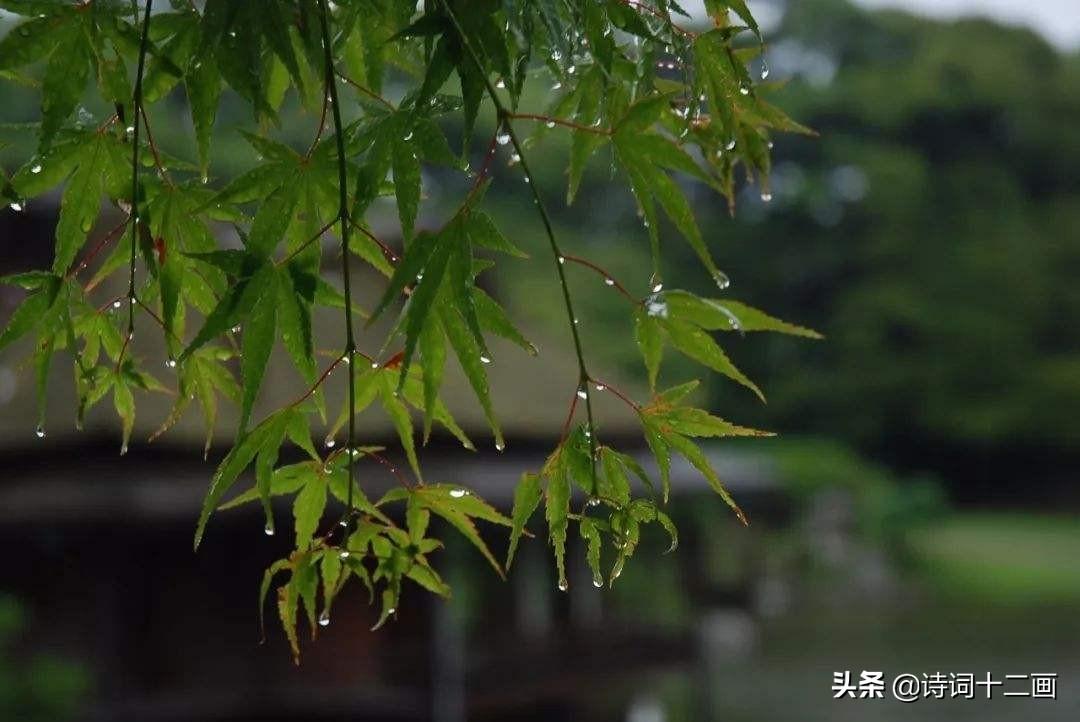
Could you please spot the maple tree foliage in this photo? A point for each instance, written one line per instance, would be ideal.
(630, 80)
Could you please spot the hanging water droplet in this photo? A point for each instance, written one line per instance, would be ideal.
(407, 136)
(770, 145)
(391, 610)
(609, 281)
(592, 501)
(527, 179)
(16, 206)
(458, 493)
(556, 85)
(268, 530)
(485, 360)
(514, 158)
(764, 69)
(170, 363)
(588, 434)
(575, 322)
(500, 84)
(500, 445)
(344, 523)
(374, 364)
(658, 288)
(232, 33)
(346, 359)
(598, 581)
(601, 388)
(657, 307)
(236, 328)
(116, 303)
(556, 55)
(330, 442)
(571, 69)
(582, 393)
(502, 137)
(766, 197)
(205, 179)
(722, 280)
(40, 432)
(730, 145)
(324, 619)
(563, 585)
(344, 554)
(744, 90)
(36, 168)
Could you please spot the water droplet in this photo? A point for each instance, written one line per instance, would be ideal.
(500, 445)
(770, 145)
(36, 168)
(527, 179)
(563, 585)
(344, 554)
(391, 610)
(268, 530)
(597, 581)
(345, 359)
(343, 523)
(16, 206)
(324, 619)
(593, 501)
(722, 280)
(500, 84)
(556, 55)
(657, 307)
(458, 493)
(502, 137)
(556, 85)
(601, 388)
(562, 260)
(40, 432)
(575, 322)
(764, 69)
(744, 90)
(514, 158)
(116, 303)
(730, 145)
(766, 196)
(170, 363)
(609, 281)
(205, 179)
(236, 328)
(550, 124)
(582, 393)
(571, 69)
(330, 442)
(232, 33)
(123, 448)
(374, 364)
(407, 136)
(658, 288)
(485, 360)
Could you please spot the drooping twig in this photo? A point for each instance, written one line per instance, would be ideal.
(504, 120)
(343, 216)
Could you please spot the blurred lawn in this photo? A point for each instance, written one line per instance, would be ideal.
(1006, 558)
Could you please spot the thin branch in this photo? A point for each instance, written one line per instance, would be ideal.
(343, 216)
(560, 121)
(504, 119)
(108, 238)
(153, 147)
(137, 102)
(366, 91)
(605, 386)
(303, 246)
(322, 127)
(608, 278)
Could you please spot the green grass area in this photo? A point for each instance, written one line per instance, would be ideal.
(1005, 558)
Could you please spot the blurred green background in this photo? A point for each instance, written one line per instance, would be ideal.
(929, 451)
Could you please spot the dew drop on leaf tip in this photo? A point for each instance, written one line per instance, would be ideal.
(40, 432)
(458, 493)
(485, 360)
(563, 585)
(324, 619)
(268, 530)
(343, 554)
(330, 443)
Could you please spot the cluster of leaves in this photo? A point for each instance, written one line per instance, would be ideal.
(629, 79)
